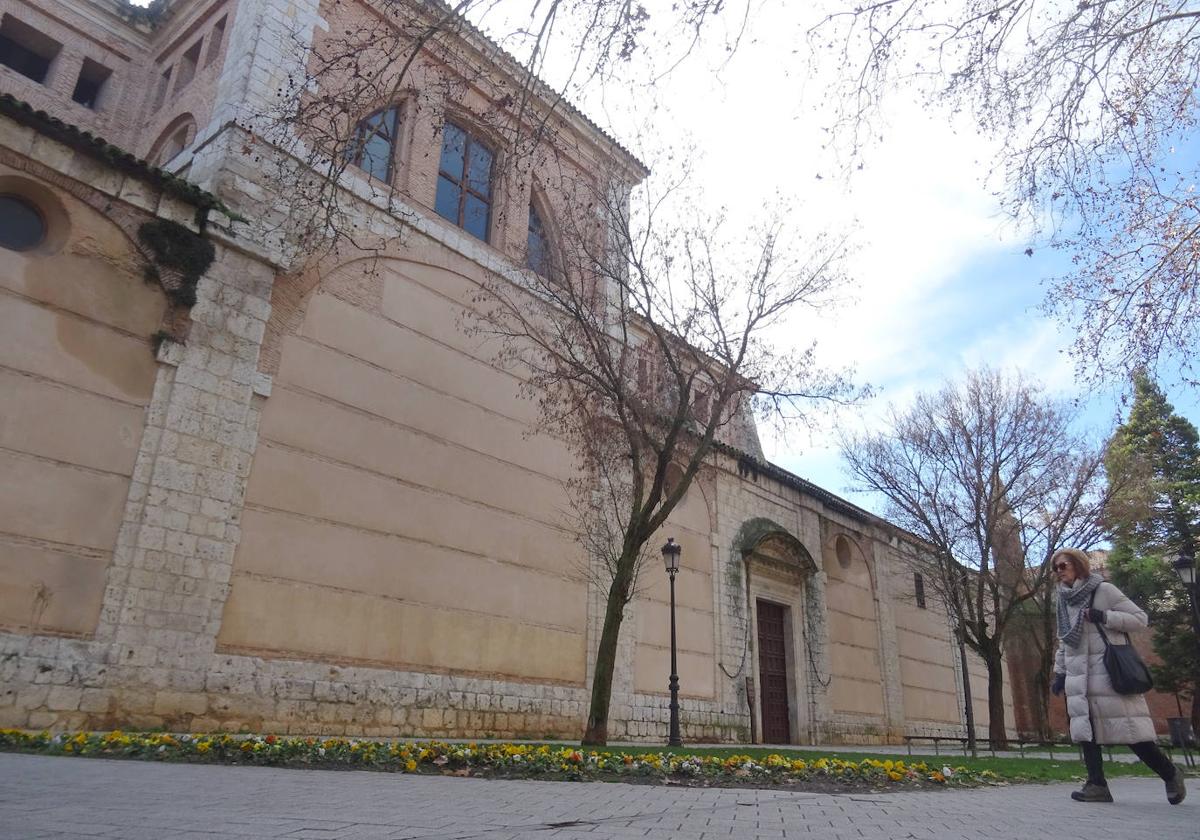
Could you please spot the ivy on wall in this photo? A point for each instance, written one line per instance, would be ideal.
(178, 259)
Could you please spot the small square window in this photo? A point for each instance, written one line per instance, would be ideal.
(26, 50)
(90, 83)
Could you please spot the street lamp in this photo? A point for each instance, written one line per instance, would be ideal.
(1185, 567)
(670, 553)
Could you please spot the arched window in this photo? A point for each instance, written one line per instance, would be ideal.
(176, 137)
(537, 251)
(374, 143)
(464, 187)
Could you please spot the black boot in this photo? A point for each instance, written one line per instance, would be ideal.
(1092, 793)
(1175, 789)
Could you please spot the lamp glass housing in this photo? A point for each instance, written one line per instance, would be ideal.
(1185, 567)
(670, 553)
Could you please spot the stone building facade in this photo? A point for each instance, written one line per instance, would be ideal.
(298, 497)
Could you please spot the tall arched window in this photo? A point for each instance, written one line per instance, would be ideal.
(537, 251)
(177, 136)
(373, 146)
(464, 186)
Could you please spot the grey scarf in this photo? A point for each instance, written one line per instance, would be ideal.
(1076, 595)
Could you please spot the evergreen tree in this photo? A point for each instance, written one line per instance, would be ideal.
(1153, 464)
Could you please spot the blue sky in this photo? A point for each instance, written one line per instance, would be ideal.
(986, 311)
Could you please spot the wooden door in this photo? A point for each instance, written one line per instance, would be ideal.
(772, 673)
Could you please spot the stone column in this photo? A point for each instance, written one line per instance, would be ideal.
(269, 44)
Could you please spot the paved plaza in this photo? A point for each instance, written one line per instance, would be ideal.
(45, 797)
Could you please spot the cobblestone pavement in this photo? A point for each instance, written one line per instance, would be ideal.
(45, 797)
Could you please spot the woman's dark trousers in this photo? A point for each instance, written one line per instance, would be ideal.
(1147, 751)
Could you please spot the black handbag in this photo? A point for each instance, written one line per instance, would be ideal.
(1126, 670)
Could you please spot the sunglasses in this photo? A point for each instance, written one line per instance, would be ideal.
(1058, 567)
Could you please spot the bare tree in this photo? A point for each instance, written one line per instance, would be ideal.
(1090, 100)
(644, 342)
(988, 473)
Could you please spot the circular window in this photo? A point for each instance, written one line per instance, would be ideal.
(21, 225)
(842, 549)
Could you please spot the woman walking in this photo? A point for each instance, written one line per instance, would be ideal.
(1099, 715)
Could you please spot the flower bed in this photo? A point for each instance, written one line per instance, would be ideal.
(493, 759)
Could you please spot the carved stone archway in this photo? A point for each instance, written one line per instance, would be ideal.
(783, 579)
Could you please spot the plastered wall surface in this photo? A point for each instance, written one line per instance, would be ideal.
(77, 373)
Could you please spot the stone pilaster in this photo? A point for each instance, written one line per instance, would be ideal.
(169, 578)
(820, 666)
(889, 649)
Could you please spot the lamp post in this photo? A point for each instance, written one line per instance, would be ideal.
(670, 553)
(1185, 567)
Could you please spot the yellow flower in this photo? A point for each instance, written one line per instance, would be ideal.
(410, 765)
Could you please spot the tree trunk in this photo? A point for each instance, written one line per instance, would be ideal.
(997, 730)
(968, 701)
(596, 733)
(1196, 709)
(1041, 706)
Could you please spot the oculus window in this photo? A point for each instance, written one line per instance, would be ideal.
(464, 186)
(22, 227)
(374, 143)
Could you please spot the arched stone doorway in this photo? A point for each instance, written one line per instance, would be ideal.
(784, 602)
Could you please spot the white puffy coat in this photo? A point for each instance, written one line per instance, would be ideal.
(1097, 712)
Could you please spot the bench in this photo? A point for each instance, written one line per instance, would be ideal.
(1048, 746)
(937, 740)
(1020, 745)
(1014, 744)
